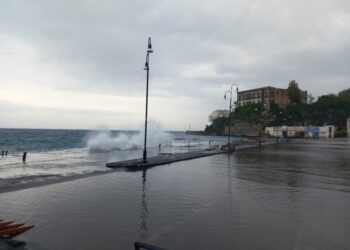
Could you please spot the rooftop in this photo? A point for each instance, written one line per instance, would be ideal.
(249, 90)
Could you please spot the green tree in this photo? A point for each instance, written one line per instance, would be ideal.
(218, 114)
(218, 120)
(251, 112)
(329, 109)
(310, 98)
(293, 92)
(345, 95)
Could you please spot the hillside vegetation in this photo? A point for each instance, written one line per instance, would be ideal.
(332, 109)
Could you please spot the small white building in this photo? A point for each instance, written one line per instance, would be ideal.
(301, 131)
(285, 131)
(296, 131)
(326, 132)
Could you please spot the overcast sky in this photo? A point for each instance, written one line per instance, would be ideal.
(79, 63)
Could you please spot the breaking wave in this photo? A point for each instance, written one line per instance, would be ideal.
(104, 141)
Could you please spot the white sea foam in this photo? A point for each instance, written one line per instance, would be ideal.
(103, 141)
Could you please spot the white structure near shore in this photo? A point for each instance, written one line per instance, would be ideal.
(301, 131)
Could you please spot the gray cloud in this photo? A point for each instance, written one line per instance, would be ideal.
(24, 116)
(199, 45)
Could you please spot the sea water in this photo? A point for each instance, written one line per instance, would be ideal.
(292, 195)
(53, 154)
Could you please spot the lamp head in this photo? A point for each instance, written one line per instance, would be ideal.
(225, 96)
(146, 66)
(149, 49)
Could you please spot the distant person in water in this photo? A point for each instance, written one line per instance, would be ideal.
(6, 153)
(24, 157)
(2, 153)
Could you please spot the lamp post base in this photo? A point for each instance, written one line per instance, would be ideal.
(144, 156)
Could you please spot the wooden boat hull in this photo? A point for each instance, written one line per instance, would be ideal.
(8, 229)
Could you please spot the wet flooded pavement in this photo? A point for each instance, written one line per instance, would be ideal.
(285, 196)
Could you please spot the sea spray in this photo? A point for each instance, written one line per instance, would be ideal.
(103, 141)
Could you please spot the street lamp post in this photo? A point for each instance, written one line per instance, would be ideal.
(149, 50)
(229, 125)
(259, 126)
(274, 116)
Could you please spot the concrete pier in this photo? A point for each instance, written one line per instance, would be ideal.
(165, 159)
(136, 164)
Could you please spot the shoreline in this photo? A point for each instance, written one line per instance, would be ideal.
(53, 181)
(14, 188)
